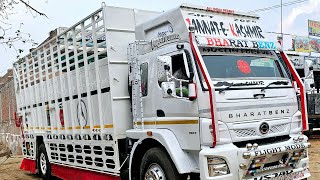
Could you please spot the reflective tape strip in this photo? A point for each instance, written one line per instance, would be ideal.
(85, 127)
(97, 127)
(108, 126)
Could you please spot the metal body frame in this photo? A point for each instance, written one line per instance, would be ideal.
(69, 91)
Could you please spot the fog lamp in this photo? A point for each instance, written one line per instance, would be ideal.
(246, 155)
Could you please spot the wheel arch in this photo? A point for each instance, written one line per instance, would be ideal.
(160, 138)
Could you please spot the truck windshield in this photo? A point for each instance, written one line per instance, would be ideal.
(242, 66)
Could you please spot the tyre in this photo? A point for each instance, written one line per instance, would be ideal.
(156, 165)
(43, 163)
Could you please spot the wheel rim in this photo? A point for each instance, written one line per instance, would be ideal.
(154, 172)
(43, 164)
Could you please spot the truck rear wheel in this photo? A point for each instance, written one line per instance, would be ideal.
(156, 165)
(43, 163)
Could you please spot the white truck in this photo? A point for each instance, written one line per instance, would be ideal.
(308, 68)
(190, 93)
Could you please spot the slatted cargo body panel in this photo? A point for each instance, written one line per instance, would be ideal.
(73, 91)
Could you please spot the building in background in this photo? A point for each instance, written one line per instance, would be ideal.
(9, 133)
(7, 100)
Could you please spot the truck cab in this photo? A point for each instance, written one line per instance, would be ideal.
(210, 89)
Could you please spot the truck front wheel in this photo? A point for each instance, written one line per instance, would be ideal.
(43, 163)
(156, 165)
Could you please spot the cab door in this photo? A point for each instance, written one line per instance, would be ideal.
(179, 113)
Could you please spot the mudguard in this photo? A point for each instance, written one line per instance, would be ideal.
(182, 160)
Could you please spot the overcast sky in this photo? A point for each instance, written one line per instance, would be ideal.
(64, 13)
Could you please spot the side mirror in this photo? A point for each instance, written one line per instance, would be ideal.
(168, 89)
(164, 67)
(192, 91)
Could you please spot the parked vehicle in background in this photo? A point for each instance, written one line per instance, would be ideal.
(308, 68)
(102, 99)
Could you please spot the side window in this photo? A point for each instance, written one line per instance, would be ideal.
(178, 67)
(144, 79)
(179, 70)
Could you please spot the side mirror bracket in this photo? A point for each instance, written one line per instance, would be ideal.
(164, 68)
(168, 89)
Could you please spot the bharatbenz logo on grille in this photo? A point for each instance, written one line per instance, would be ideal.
(259, 113)
(264, 128)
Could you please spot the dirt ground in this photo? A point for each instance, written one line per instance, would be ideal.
(9, 169)
(314, 157)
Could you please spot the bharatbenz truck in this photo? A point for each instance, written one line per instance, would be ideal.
(308, 68)
(190, 93)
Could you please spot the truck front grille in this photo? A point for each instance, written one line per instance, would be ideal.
(279, 128)
(245, 132)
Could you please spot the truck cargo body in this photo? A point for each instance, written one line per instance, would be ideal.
(103, 99)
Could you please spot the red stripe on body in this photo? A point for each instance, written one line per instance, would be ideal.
(209, 88)
(70, 173)
(305, 126)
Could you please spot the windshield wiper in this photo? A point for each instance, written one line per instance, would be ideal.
(229, 85)
(275, 83)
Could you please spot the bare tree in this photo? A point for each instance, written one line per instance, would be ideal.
(7, 38)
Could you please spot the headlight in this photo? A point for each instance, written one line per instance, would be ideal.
(217, 167)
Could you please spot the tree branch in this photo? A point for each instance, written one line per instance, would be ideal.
(40, 13)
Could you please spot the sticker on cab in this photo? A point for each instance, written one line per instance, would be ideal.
(243, 66)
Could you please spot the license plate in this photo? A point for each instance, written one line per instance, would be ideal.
(297, 175)
(285, 175)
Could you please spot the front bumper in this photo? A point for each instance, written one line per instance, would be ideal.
(282, 160)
